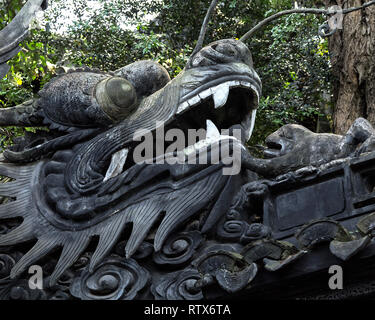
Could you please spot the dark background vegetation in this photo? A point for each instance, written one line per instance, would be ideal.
(291, 59)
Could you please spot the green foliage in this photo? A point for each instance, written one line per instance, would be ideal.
(290, 58)
(28, 73)
(293, 63)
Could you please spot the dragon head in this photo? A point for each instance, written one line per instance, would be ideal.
(285, 140)
(293, 147)
(220, 84)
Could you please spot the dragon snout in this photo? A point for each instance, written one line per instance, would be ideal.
(222, 52)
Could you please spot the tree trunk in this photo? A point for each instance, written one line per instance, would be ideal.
(352, 53)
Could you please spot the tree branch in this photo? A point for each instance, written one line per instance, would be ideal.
(278, 15)
(203, 31)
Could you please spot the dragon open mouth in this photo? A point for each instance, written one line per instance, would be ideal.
(227, 106)
(274, 149)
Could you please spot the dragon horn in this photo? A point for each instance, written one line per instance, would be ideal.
(322, 31)
(16, 31)
(204, 27)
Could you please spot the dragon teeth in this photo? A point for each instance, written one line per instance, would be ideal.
(183, 107)
(194, 101)
(212, 131)
(245, 84)
(253, 117)
(205, 94)
(117, 164)
(220, 95)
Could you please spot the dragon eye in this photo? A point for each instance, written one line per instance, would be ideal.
(117, 97)
(288, 136)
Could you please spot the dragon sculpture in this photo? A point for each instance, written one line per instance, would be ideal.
(78, 189)
(72, 192)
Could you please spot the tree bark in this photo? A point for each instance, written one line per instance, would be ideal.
(352, 51)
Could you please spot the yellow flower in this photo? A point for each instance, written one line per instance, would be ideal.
(18, 80)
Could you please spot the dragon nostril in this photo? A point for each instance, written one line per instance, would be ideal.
(230, 51)
(225, 49)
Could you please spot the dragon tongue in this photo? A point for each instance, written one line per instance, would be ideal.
(220, 95)
(117, 164)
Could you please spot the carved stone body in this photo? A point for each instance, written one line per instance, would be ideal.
(293, 147)
(182, 230)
